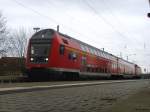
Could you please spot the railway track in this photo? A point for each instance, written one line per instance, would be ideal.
(24, 79)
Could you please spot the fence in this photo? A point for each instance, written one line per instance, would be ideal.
(11, 68)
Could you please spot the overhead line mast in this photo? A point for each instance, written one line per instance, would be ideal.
(148, 14)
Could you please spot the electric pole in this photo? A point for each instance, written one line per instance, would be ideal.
(148, 14)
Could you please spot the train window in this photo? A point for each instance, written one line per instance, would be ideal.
(83, 47)
(32, 50)
(62, 49)
(72, 56)
(40, 50)
(83, 62)
(106, 56)
(112, 66)
(100, 54)
(103, 54)
(92, 51)
(86, 49)
(96, 53)
(69, 56)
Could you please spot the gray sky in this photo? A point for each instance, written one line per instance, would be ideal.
(119, 26)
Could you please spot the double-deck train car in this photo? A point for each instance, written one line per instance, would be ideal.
(51, 53)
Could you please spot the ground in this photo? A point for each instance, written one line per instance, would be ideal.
(139, 102)
(116, 97)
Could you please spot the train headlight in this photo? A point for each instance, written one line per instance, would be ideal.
(46, 59)
(31, 59)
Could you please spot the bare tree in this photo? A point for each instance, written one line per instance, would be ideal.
(3, 35)
(18, 42)
(17, 45)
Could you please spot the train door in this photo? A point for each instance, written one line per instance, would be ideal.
(83, 63)
(73, 59)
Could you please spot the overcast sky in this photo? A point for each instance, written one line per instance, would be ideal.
(119, 26)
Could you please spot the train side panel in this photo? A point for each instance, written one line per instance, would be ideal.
(63, 53)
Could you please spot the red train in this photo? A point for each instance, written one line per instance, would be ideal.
(51, 53)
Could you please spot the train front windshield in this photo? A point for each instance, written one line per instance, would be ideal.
(40, 46)
(40, 50)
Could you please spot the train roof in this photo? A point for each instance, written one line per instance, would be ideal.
(69, 37)
(83, 43)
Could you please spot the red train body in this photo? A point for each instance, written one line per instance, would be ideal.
(56, 52)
